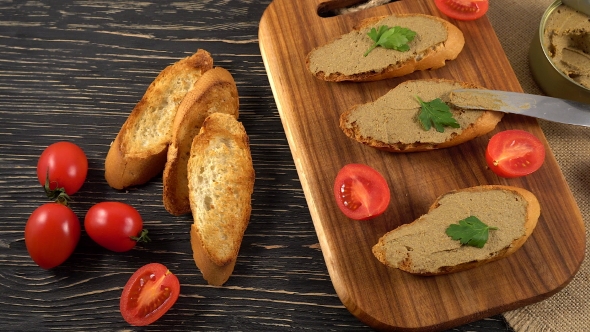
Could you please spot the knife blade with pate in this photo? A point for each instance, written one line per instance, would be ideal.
(542, 107)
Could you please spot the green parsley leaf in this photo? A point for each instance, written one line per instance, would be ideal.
(396, 38)
(437, 113)
(470, 231)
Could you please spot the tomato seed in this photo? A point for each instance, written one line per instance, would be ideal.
(346, 196)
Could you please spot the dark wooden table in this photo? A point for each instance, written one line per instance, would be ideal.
(73, 70)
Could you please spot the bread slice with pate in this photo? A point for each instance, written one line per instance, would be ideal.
(343, 59)
(423, 247)
(221, 182)
(214, 92)
(391, 122)
(138, 153)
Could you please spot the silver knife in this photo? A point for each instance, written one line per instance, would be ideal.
(542, 107)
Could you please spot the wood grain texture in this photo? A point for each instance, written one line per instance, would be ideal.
(387, 298)
(73, 70)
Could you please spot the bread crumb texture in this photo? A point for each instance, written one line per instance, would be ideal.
(423, 246)
(220, 186)
(393, 118)
(155, 122)
(345, 55)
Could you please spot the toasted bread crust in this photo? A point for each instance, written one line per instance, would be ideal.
(214, 274)
(484, 124)
(138, 153)
(533, 211)
(215, 91)
(433, 58)
(221, 181)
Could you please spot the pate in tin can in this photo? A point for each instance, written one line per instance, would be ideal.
(560, 53)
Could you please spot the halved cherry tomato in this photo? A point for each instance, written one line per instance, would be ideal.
(148, 294)
(51, 234)
(465, 10)
(361, 192)
(66, 164)
(514, 153)
(115, 226)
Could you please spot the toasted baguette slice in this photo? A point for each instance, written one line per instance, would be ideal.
(391, 122)
(422, 247)
(343, 59)
(220, 181)
(139, 150)
(215, 91)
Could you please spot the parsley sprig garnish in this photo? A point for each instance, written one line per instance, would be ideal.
(470, 231)
(436, 113)
(396, 38)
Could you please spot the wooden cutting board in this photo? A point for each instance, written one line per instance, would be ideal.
(386, 298)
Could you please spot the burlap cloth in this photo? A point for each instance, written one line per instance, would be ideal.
(515, 23)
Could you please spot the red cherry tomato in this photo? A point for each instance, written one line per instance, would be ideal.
(51, 234)
(115, 226)
(66, 165)
(148, 294)
(514, 153)
(361, 192)
(465, 10)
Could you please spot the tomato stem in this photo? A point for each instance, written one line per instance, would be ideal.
(143, 237)
(57, 195)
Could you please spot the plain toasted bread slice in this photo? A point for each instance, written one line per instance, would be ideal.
(215, 92)
(139, 150)
(220, 182)
(423, 247)
(343, 59)
(391, 122)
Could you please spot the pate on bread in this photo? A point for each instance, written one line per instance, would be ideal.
(423, 247)
(391, 122)
(343, 59)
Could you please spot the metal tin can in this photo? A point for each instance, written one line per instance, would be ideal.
(550, 79)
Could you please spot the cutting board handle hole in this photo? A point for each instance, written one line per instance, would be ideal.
(340, 7)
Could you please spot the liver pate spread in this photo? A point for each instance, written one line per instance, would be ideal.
(567, 40)
(477, 100)
(346, 54)
(393, 118)
(429, 248)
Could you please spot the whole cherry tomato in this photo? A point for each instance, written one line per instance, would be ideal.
(66, 164)
(148, 294)
(361, 192)
(115, 226)
(51, 234)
